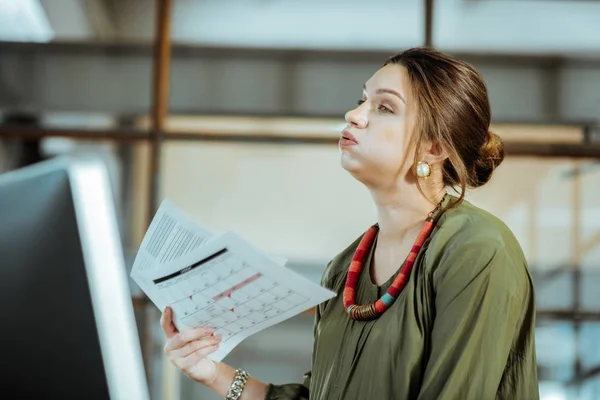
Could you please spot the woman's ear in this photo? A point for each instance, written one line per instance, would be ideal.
(433, 152)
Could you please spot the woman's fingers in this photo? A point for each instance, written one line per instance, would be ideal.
(181, 339)
(192, 360)
(195, 346)
(166, 323)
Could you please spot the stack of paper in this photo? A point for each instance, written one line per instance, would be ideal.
(218, 281)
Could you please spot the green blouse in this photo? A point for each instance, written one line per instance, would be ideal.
(462, 328)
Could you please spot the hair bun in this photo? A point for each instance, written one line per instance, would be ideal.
(491, 155)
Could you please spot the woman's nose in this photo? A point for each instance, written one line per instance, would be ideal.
(357, 118)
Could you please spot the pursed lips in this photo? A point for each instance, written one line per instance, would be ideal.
(348, 136)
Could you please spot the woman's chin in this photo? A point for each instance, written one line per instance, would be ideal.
(352, 166)
(369, 174)
(348, 162)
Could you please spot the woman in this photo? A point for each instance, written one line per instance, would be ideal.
(435, 300)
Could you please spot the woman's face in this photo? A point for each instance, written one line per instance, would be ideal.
(375, 144)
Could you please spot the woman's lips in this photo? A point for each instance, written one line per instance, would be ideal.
(347, 139)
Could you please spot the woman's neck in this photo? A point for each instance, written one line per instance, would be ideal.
(401, 212)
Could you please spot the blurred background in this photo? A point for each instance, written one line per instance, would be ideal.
(232, 109)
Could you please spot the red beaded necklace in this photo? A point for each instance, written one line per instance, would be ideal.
(367, 312)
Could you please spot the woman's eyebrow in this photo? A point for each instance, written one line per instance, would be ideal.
(390, 91)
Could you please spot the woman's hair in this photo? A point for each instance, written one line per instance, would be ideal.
(454, 111)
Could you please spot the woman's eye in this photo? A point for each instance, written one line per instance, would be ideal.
(380, 108)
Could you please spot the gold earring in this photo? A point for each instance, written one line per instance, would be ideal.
(423, 169)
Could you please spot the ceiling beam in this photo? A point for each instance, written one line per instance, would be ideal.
(194, 51)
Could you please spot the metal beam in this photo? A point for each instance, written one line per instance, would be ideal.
(585, 376)
(567, 315)
(160, 109)
(553, 150)
(160, 96)
(118, 135)
(511, 149)
(429, 22)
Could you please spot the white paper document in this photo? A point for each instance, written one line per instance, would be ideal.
(171, 235)
(218, 281)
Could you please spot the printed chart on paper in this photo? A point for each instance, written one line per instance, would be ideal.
(227, 294)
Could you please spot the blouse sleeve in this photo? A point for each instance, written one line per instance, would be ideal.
(480, 293)
(293, 391)
(289, 391)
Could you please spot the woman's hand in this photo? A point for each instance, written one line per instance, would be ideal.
(188, 350)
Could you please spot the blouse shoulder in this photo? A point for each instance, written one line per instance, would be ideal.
(469, 225)
(472, 247)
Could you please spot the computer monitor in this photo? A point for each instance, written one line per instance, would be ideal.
(67, 326)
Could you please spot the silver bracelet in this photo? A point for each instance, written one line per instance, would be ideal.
(237, 386)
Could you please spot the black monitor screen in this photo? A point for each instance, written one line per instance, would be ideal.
(50, 346)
